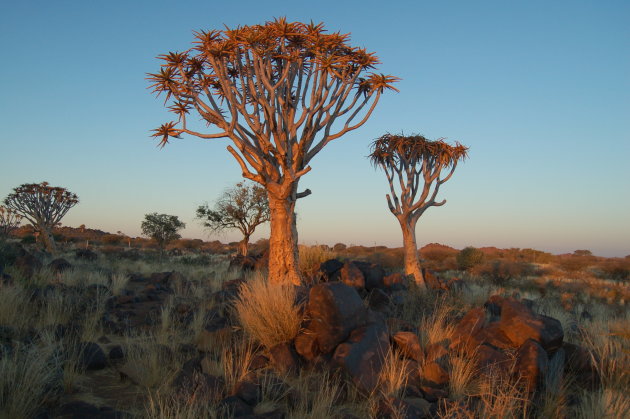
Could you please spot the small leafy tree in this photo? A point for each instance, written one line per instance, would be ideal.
(43, 206)
(9, 221)
(415, 164)
(469, 257)
(280, 92)
(243, 207)
(162, 228)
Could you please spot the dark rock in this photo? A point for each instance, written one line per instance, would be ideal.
(436, 352)
(83, 410)
(244, 263)
(395, 280)
(390, 408)
(197, 385)
(467, 327)
(330, 270)
(233, 406)
(306, 345)
(85, 254)
(518, 323)
(372, 273)
(409, 345)
(378, 299)
(580, 363)
(284, 358)
(214, 333)
(116, 353)
(434, 375)
(259, 361)
(531, 364)
(335, 309)
(433, 394)
(352, 276)
(91, 356)
(490, 360)
(363, 354)
(249, 392)
(59, 265)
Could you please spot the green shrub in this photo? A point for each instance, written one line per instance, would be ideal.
(469, 257)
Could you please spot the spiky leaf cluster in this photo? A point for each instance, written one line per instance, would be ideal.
(270, 88)
(416, 163)
(41, 204)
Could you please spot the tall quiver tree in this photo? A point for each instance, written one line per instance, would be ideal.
(243, 207)
(43, 206)
(413, 166)
(280, 92)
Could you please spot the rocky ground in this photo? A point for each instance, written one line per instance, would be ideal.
(108, 341)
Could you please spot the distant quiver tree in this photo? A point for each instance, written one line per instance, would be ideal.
(43, 206)
(9, 221)
(413, 166)
(243, 207)
(280, 92)
(162, 228)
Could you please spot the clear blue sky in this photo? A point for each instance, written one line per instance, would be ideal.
(539, 90)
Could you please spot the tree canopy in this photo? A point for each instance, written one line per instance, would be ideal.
(163, 228)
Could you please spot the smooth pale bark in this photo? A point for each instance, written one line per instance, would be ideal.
(412, 262)
(283, 240)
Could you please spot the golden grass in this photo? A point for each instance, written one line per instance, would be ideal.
(313, 256)
(463, 376)
(163, 405)
(604, 403)
(394, 375)
(267, 311)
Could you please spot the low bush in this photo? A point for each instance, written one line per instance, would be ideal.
(267, 311)
(469, 257)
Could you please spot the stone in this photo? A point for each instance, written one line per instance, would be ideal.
(491, 360)
(518, 323)
(352, 276)
(378, 299)
(434, 375)
(433, 394)
(216, 332)
(335, 309)
(59, 265)
(284, 358)
(409, 344)
(306, 345)
(330, 270)
(233, 406)
(467, 327)
(373, 274)
(394, 280)
(249, 392)
(116, 353)
(362, 356)
(85, 254)
(390, 408)
(436, 352)
(531, 364)
(91, 356)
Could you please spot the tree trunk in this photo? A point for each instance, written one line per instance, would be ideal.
(48, 240)
(283, 241)
(242, 246)
(412, 262)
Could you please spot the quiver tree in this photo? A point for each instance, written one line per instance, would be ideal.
(9, 221)
(243, 207)
(280, 92)
(43, 206)
(162, 228)
(413, 166)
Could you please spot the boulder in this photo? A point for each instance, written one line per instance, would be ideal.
(352, 276)
(491, 360)
(216, 331)
(330, 270)
(284, 358)
(373, 274)
(59, 265)
(249, 392)
(233, 406)
(362, 356)
(378, 299)
(85, 254)
(519, 323)
(334, 309)
(408, 408)
(91, 356)
(395, 281)
(409, 344)
(531, 364)
(434, 375)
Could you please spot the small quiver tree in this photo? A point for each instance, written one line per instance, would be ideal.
(43, 206)
(243, 207)
(413, 166)
(9, 221)
(280, 92)
(162, 228)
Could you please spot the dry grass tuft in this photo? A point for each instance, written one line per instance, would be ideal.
(27, 376)
(394, 375)
(462, 376)
(268, 311)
